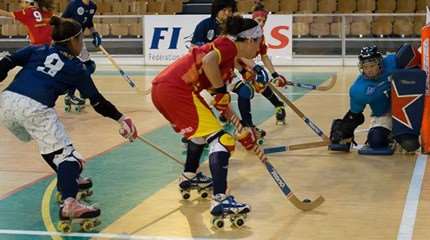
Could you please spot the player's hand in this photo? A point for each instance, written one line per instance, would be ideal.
(247, 138)
(128, 129)
(279, 80)
(221, 101)
(97, 40)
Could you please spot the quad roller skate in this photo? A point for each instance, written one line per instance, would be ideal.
(199, 182)
(259, 134)
(73, 211)
(225, 206)
(73, 102)
(85, 185)
(280, 115)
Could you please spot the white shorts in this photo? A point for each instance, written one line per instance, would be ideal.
(28, 119)
(385, 121)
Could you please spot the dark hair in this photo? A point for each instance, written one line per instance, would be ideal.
(258, 7)
(47, 5)
(218, 5)
(63, 29)
(236, 24)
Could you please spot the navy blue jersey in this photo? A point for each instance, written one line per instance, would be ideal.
(49, 71)
(206, 31)
(81, 12)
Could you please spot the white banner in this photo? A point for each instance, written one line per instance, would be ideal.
(168, 37)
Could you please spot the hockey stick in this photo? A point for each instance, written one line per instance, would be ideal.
(161, 150)
(287, 148)
(332, 82)
(123, 74)
(308, 122)
(305, 205)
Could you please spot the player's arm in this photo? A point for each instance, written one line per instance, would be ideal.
(268, 63)
(278, 79)
(68, 12)
(97, 40)
(19, 58)
(199, 35)
(4, 13)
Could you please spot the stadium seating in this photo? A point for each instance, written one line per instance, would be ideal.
(271, 5)
(346, 6)
(403, 27)
(300, 29)
(245, 6)
(288, 7)
(326, 6)
(405, 6)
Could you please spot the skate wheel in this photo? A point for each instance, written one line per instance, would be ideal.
(218, 223)
(87, 226)
(77, 109)
(260, 141)
(204, 194)
(67, 108)
(64, 227)
(59, 198)
(238, 221)
(185, 195)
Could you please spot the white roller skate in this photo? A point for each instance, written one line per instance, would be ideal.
(225, 206)
(280, 115)
(191, 181)
(73, 211)
(85, 185)
(73, 102)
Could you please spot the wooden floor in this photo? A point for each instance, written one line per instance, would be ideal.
(365, 196)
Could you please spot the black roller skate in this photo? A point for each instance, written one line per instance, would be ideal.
(199, 182)
(280, 115)
(85, 185)
(73, 211)
(225, 206)
(259, 135)
(73, 102)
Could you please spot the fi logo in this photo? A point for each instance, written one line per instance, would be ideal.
(165, 34)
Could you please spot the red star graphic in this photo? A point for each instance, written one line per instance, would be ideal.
(402, 102)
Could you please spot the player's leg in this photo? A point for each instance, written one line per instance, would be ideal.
(278, 104)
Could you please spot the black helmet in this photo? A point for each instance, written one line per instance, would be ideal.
(369, 54)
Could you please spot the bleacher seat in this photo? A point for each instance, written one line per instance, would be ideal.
(138, 7)
(386, 6)
(360, 28)
(419, 22)
(309, 6)
(288, 7)
(403, 27)
(9, 30)
(318, 29)
(346, 6)
(326, 6)
(307, 19)
(104, 7)
(366, 6)
(154, 7)
(271, 5)
(135, 30)
(336, 29)
(323, 19)
(421, 5)
(119, 29)
(406, 6)
(102, 28)
(245, 6)
(300, 29)
(382, 27)
(172, 6)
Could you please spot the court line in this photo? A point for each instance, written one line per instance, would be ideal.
(46, 211)
(93, 235)
(406, 229)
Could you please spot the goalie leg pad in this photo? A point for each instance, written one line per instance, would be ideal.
(408, 57)
(378, 137)
(408, 142)
(366, 150)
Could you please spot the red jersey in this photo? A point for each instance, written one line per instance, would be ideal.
(37, 23)
(189, 68)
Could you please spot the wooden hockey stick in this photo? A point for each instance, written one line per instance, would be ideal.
(123, 74)
(308, 122)
(161, 150)
(287, 148)
(305, 205)
(332, 82)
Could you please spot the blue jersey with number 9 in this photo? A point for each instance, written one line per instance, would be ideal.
(49, 71)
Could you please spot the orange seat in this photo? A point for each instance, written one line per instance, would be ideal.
(290, 6)
(300, 29)
(406, 6)
(118, 29)
(102, 28)
(421, 5)
(309, 6)
(136, 30)
(336, 29)
(365, 6)
(326, 6)
(346, 6)
(319, 29)
(172, 6)
(271, 5)
(361, 28)
(382, 28)
(403, 27)
(386, 6)
(245, 6)
(154, 7)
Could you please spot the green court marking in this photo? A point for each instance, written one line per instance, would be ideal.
(126, 175)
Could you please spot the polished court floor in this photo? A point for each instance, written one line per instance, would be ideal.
(367, 197)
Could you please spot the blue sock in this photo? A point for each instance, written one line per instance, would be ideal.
(218, 162)
(67, 175)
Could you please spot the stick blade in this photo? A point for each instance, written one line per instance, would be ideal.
(306, 206)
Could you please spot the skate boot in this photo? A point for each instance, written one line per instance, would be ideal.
(280, 115)
(85, 185)
(191, 181)
(225, 206)
(259, 135)
(73, 102)
(73, 211)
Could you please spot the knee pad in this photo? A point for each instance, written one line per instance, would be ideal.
(409, 142)
(68, 154)
(244, 90)
(221, 142)
(378, 137)
(198, 140)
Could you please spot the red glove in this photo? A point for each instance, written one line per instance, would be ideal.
(247, 138)
(279, 80)
(259, 87)
(221, 101)
(128, 129)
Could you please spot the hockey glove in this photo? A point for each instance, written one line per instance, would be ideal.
(128, 129)
(97, 40)
(279, 80)
(247, 138)
(221, 99)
